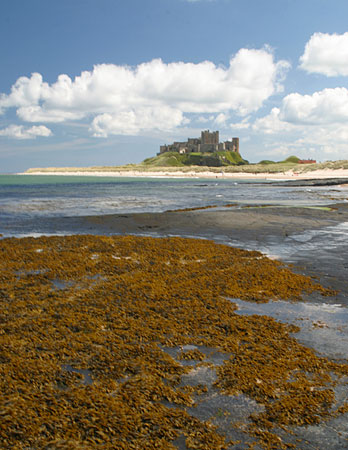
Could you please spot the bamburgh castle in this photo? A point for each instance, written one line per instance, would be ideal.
(209, 142)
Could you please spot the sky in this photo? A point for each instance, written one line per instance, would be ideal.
(106, 82)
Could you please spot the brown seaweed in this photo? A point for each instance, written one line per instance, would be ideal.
(120, 302)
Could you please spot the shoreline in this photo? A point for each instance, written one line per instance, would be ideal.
(288, 175)
(270, 230)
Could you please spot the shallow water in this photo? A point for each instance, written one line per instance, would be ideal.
(323, 326)
(42, 196)
(87, 379)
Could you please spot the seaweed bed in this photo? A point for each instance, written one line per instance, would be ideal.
(85, 324)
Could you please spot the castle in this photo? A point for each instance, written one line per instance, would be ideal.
(209, 142)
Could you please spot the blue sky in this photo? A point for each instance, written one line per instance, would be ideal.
(105, 82)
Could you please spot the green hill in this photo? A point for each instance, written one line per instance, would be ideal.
(291, 159)
(174, 159)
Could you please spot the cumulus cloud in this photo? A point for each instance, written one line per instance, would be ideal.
(323, 107)
(326, 54)
(132, 122)
(220, 119)
(36, 113)
(272, 123)
(20, 132)
(150, 96)
(329, 106)
(243, 125)
(319, 120)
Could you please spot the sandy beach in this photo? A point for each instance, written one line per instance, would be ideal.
(291, 174)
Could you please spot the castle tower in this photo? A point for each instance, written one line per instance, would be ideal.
(208, 137)
(235, 144)
(209, 142)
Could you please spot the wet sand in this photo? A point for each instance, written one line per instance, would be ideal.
(242, 223)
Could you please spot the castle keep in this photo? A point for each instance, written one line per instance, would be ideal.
(209, 142)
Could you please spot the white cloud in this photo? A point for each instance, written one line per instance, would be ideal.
(220, 119)
(310, 121)
(272, 123)
(243, 125)
(323, 107)
(204, 119)
(20, 132)
(329, 106)
(36, 113)
(326, 54)
(153, 95)
(135, 121)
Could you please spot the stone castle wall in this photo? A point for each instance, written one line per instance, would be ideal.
(209, 142)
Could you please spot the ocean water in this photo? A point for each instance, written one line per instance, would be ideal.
(28, 203)
(30, 196)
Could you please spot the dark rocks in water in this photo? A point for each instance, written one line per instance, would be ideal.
(312, 182)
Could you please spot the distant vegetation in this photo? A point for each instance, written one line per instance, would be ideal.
(174, 159)
(174, 165)
(291, 159)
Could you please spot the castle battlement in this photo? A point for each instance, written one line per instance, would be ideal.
(209, 142)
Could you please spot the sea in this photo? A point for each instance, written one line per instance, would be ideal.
(26, 201)
(29, 204)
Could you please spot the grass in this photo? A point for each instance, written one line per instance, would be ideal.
(174, 159)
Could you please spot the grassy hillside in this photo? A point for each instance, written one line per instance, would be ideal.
(291, 159)
(174, 159)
